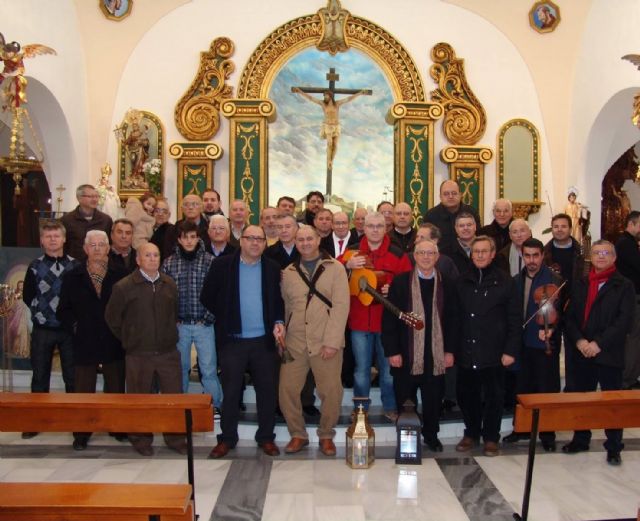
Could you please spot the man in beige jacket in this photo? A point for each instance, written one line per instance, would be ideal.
(315, 291)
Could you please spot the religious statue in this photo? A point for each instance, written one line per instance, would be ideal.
(19, 325)
(109, 201)
(13, 83)
(137, 145)
(330, 129)
(579, 214)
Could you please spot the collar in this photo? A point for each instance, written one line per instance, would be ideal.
(148, 277)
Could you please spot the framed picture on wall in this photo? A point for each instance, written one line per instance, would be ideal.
(116, 9)
(544, 16)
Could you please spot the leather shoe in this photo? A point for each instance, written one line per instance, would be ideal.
(80, 444)
(549, 445)
(269, 448)
(119, 436)
(29, 435)
(434, 445)
(466, 444)
(491, 449)
(144, 450)
(515, 437)
(180, 448)
(327, 447)
(573, 447)
(296, 445)
(613, 457)
(219, 451)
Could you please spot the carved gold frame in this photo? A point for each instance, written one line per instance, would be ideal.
(301, 33)
(110, 16)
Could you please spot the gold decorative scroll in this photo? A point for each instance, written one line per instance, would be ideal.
(197, 113)
(334, 19)
(307, 31)
(465, 120)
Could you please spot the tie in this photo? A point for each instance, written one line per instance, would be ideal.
(340, 243)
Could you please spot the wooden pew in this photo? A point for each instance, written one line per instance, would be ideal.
(79, 412)
(94, 502)
(571, 411)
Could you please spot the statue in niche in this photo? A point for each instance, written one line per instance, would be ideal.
(137, 145)
(579, 214)
(109, 201)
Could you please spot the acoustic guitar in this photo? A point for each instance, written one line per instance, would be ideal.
(363, 283)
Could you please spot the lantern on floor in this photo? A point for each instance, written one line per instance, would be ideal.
(361, 441)
(408, 428)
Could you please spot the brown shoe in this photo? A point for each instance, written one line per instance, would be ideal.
(269, 448)
(327, 447)
(296, 445)
(466, 444)
(220, 450)
(491, 449)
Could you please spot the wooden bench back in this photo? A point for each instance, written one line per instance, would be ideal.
(80, 412)
(94, 501)
(575, 411)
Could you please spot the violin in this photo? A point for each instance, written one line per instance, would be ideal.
(547, 315)
(363, 284)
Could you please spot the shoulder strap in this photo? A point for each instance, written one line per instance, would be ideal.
(311, 284)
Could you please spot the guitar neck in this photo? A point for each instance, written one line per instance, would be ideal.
(385, 302)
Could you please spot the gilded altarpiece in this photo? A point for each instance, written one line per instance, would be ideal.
(333, 30)
(413, 136)
(466, 167)
(464, 124)
(196, 165)
(248, 146)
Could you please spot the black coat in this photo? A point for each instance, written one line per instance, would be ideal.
(277, 253)
(609, 321)
(327, 243)
(499, 234)
(396, 334)
(81, 312)
(489, 318)
(459, 257)
(628, 259)
(445, 221)
(221, 295)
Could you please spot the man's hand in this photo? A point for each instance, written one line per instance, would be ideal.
(355, 262)
(326, 353)
(545, 335)
(507, 360)
(395, 361)
(385, 290)
(448, 360)
(279, 332)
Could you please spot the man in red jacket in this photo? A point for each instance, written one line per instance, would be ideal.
(376, 252)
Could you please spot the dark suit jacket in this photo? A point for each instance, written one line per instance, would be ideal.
(327, 243)
(277, 253)
(221, 295)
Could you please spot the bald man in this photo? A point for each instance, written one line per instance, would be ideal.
(150, 344)
(403, 233)
(238, 214)
(337, 241)
(499, 227)
(509, 258)
(444, 214)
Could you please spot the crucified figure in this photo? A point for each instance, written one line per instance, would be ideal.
(330, 129)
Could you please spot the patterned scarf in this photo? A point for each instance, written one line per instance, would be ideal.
(417, 337)
(97, 272)
(595, 279)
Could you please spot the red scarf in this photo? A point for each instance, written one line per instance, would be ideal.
(595, 279)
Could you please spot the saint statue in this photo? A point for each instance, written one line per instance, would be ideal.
(109, 201)
(579, 215)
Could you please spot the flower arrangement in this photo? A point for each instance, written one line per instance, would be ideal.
(153, 174)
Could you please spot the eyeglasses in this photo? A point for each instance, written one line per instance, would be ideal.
(253, 238)
(481, 252)
(161, 210)
(218, 228)
(97, 245)
(190, 205)
(601, 253)
(375, 226)
(425, 253)
(450, 194)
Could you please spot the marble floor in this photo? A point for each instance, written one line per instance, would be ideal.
(308, 486)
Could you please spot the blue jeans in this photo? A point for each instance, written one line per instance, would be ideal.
(204, 338)
(364, 344)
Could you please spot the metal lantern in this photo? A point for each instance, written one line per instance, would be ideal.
(408, 429)
(361, 441)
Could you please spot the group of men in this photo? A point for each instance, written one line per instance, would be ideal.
(274, 301)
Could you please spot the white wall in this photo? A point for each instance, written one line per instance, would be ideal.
(160, 69)
(56, 90)
(603, 97)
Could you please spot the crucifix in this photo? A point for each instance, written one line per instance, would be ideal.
(60, 188)
(331, 125)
